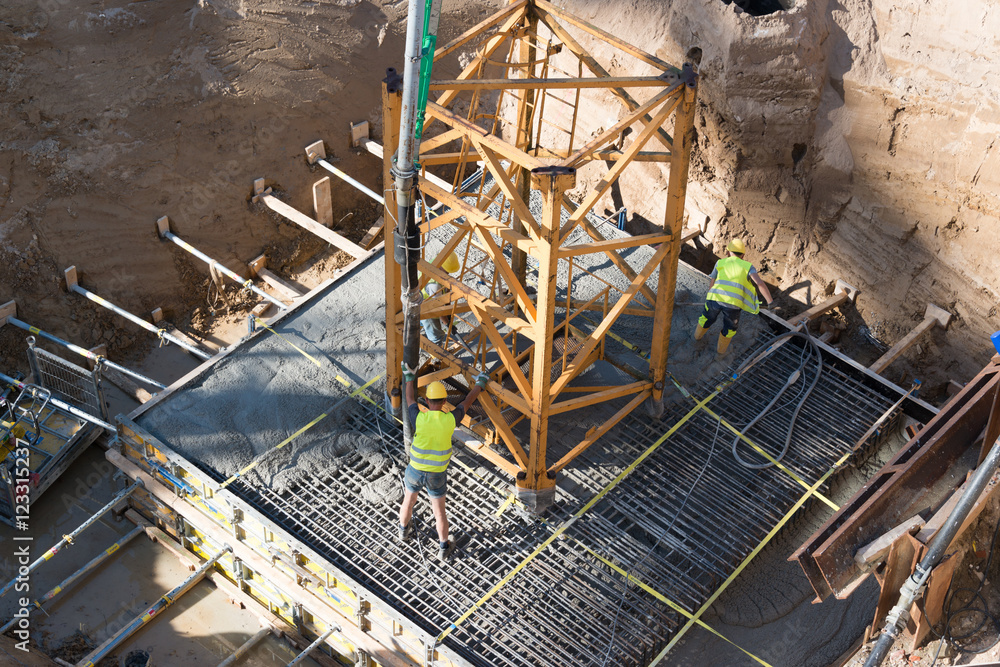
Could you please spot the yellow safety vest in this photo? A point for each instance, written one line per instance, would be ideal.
(732, 285)
(431, 447)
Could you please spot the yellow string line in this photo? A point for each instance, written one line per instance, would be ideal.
(303, 352)
(583, 510)
(778, 464)
(753, 554)
(293, 436)
(670, 603)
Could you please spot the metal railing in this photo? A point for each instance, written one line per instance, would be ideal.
(77, 385)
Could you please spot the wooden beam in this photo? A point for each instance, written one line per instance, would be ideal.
(323, 201)
(307, 223)
(613, 244)
(374, 232)
(807, 316)
(605, 394)
(554, 83)
(485, 138)
(932, 317)
(877, 549)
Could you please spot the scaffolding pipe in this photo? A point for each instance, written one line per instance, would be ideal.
(312, 647)
(169, 235)
(24, 571)
(71, 579)
(97, 358)
(913, 587)
(140, 621)
(245, 648)
(357, 184)
(62, 405)
(204, 356)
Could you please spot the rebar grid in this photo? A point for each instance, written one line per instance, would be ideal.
(681, 522)
(69, 380)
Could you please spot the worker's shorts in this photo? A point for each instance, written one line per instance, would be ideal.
(436, 482)
(730, 317)
(432, 330)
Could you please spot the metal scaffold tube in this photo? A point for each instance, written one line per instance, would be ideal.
(421, 30)
(71, 579)
(300, 658)
(97, 358)
(352, 181)
(113, 642)
(68, 539)
(160, 333)
(62, 405)
(163, 227)
(245, 648)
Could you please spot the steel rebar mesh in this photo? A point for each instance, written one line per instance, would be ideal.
(680, 522)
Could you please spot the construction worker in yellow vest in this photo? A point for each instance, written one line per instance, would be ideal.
(731, 292)
(430, 454)
(434, 327)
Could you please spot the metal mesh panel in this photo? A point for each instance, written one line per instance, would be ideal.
(77, 385)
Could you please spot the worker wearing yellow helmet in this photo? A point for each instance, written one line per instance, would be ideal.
(430, 454)
(434, 327)
(731, 292)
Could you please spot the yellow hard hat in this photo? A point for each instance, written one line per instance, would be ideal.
(736, 245)
(436, 391)
(450, 264)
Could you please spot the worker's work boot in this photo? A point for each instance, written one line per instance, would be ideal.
(406, 533)
(445, 549)
(699, 333)
(723, 345)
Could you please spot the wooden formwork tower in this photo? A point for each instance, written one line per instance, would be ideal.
(517, 108)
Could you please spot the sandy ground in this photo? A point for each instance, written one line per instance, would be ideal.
(115, 113)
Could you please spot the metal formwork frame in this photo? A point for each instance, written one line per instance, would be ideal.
(311, 594)
(518, 326)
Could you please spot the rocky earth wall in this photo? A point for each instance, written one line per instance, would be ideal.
(852, 140)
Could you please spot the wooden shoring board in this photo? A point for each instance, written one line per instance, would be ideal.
(307, 223)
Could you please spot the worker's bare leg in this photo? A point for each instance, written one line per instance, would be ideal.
(440, 518)
(406, 509)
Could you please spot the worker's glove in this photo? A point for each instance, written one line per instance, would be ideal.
(481, 380)
(409, 374)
